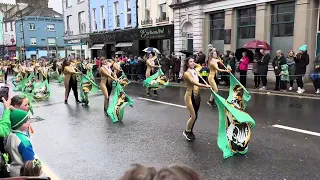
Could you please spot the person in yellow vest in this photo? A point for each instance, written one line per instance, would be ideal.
(204, 72)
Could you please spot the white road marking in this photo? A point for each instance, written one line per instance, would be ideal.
(161, 102)
(296, 130)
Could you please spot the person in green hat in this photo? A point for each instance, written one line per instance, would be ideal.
(18, 144)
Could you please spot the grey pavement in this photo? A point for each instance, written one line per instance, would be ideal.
(78, 142)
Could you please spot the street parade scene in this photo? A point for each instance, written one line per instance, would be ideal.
(138, 105)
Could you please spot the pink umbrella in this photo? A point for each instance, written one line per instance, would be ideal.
(257, 44)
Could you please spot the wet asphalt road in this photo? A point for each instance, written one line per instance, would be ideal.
(79, 142)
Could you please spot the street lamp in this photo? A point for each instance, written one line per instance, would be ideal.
(21, 6)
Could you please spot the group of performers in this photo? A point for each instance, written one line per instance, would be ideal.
(112, 77)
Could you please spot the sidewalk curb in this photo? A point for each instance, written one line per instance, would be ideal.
(256, 91)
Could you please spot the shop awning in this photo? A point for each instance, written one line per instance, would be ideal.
(97, 46)
(124, 44)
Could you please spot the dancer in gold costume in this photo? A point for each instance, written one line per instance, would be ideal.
(107, 76)
(192, 95)
(150, 70)
(213, 74)
(70, 80)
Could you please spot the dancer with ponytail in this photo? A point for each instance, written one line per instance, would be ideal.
(213, 74)
(192, 95)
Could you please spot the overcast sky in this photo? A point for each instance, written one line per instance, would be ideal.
(56, 5)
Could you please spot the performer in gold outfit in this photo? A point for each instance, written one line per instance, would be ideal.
(151, 69)
(192, 95)
(70, 80)
(107, 76)
(213, 74)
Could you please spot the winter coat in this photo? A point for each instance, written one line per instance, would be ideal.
(292, 68)
(263, 65)
(257, 57)
(284, 73)
(302, 60)
(277, 63)
(243, 66)
(177, 64)
(232, 64)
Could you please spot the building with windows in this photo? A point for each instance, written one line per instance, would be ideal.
(112, 18)
(229, 24)
(16, 10)
(77, 27)
(148, 26)
(40, 34)
(156, 17)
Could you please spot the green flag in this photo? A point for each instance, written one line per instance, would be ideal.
(124, 81)
(42, 91)
(235, 127)
(119, 101)
(87, 85)
(238, 94)
(156, 81)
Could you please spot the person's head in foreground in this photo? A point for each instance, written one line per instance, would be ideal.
(172, 172)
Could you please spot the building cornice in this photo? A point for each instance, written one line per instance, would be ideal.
(178, 5)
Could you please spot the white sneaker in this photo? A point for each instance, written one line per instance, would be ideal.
(318, 91)
(299, 89)
(262, 88)
(290, 88)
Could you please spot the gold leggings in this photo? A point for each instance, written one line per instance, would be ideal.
(193, 105)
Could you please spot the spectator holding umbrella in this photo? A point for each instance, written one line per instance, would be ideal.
(243, 68)
(262, 66)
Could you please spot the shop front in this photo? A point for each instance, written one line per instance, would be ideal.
(132, 41)
(77, 46)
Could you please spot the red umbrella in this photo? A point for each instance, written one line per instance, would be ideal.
(256, 44)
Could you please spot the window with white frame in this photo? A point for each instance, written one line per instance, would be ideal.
(68, 3)
(82, 24)
(50, 27)
(162, 9)
(95, 25)
(147, 9)
(33, 41)
(68, 24)
(32, 26)
(51, 41)
(103, 18)
(128, 12)
(116, 14)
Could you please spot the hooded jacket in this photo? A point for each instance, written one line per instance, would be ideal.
(284, 73)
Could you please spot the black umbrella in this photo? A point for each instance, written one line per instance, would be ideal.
(187, 53)
(241, 50)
